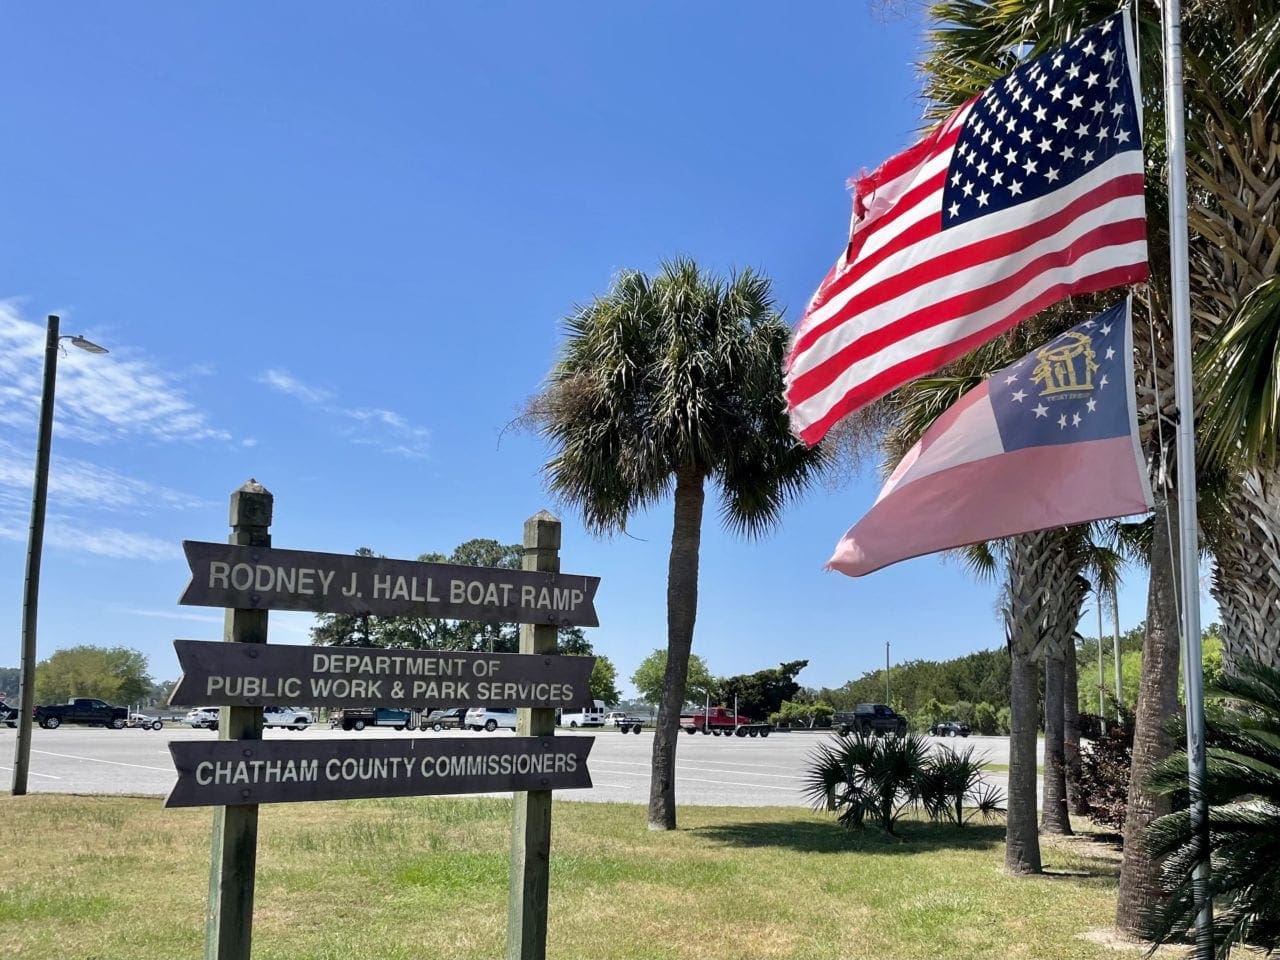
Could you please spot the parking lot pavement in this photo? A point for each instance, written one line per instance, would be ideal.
(723, 771)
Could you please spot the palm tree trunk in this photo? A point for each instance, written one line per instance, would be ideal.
(1140, 888)
(682, 610)
(1022, 837)
(1030, 572)
(1246, 578)
(1054, 818)
(1071, 731)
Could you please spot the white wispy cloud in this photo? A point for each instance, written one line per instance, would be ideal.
(168, 614)
(99, 398)
(67, 533)
(78, 482)
(384, 429)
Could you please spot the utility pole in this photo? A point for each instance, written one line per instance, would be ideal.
(886, 674)
(1102, 681)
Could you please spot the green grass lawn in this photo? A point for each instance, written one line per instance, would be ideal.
(89, 878)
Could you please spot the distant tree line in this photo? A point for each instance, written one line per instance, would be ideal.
(434, 633)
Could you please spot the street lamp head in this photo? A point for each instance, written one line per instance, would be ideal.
(88, 345)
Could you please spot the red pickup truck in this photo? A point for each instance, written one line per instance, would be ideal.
(722, 720)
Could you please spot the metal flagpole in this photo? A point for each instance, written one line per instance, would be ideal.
(1102, 683)
(1192, 662)
(1115, 644)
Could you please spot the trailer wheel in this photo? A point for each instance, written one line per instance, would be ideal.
(437, 727)
(753, 733)
(156, 725)
(358, 725)
(764, 733)
(742, 731)
(690, 730)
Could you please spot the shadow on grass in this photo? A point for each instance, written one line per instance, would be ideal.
(806, 836)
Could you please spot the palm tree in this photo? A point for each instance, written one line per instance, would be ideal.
(1242, 785)
(663, 384)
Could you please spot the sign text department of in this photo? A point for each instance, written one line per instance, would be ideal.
(263, 578)
(218, 674)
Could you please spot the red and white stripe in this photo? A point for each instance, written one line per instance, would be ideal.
(907, 297)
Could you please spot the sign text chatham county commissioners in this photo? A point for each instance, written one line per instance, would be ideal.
(262, 578)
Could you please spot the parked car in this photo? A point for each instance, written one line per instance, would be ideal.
(451, 719)
(490, 718)
(85, 711)
(868, 719)
(143, 722)
(950, 728)
(202, 717)
(291, 718)
(8, 715)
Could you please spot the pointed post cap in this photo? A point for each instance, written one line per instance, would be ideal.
(542, 532)
(251, 505)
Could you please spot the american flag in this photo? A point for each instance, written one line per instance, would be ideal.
(1030, 192)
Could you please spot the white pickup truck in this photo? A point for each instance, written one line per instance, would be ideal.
(291, 718)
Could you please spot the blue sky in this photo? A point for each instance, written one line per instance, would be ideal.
(330, 245)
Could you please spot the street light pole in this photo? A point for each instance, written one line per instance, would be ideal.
(35, 544)
(886, 673)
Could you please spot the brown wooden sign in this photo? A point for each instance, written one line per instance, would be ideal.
(258, 771)
(263, 578)
(258, 674)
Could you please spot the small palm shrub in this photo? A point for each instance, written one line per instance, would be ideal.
(877, 779)
(1242, 786)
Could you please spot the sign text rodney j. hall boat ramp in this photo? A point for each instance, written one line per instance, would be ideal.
(262, 578)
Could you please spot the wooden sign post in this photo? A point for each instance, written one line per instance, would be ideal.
(228, 926)
(531, 812)
(240, 771)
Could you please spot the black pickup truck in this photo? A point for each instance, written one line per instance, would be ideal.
(8, 714)
(84, 711)
(868, 719)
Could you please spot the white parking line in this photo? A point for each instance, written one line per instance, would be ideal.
(115, 763)
(697, 763)
(32, 773)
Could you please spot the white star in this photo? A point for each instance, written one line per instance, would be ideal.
(1092, 405)
(1088, 324)
(1060, 124)
(1051, 174)
(1111, 352)
(1056, 92)
(983, 198)
(954, 210)
(1076, 102)
(1096, 108)
(1011, 155)
(967, 189)
(1045, 144)
(1082, 130)
(1089, 48)
(1108, 55)
(1067, 153)
(1025, 135)
(1073, 71)
(982, 167)
(1113, 83)
(1010, 379)
(1106, 27)
(1103, 381)
(1075, 419)
(1117, 109)
(1026, 103)
(1122, 136)
(998, 177)
(1041, 113)
(1057, 61)
(1011, 124)
(986, 136)
(1106, 329)
(1019, 396)
(1015, 188)
(1088, 157)
(968, 160)
(996, 147)
(1040, 410)
(955, 179)
(1040, 81)
(1029, 166)
(1062, 421)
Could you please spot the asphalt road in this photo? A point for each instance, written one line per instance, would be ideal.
(726, 771)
